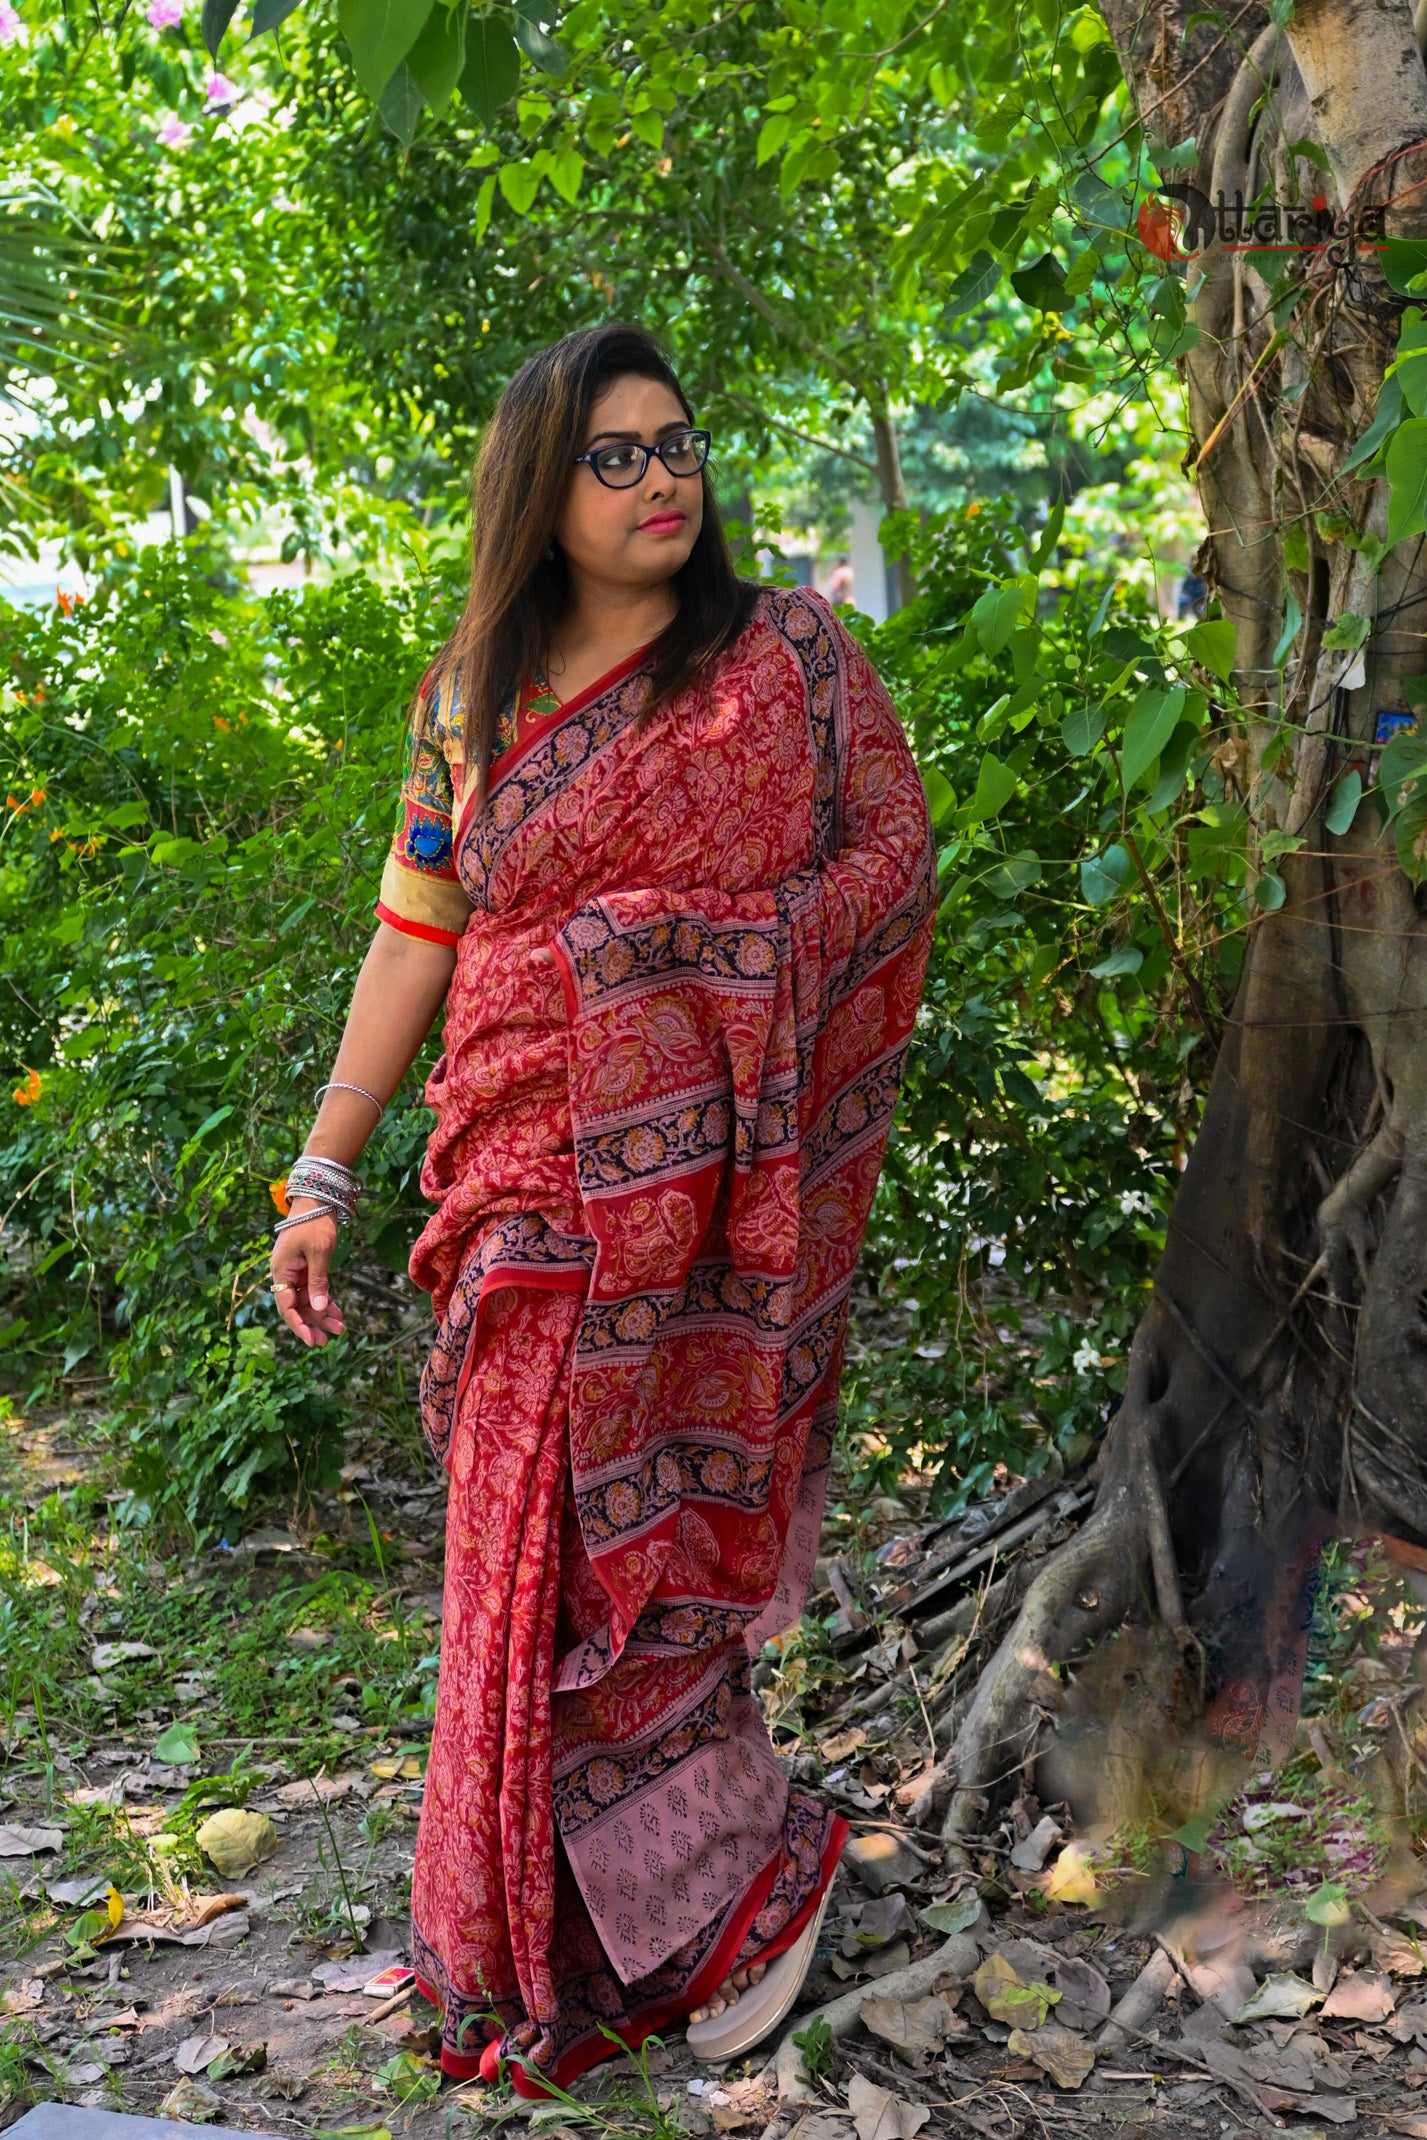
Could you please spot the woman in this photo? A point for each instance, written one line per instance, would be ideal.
(664, 855)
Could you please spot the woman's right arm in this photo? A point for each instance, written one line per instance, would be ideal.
(399, 991)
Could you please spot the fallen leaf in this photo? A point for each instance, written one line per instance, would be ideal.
(236, 1840)
(23, 1997)
(178, 1746)
(352, 1975)
(880, 2115)
(1398, 1953)
(1007, 1999)
(1063, 2057)
(1280, 1998)
(1083, 1991)
(192, 2102)
(105, 1654)
(322, 1790)
(888, 1917)
(1409, 2023)
(842, 1743)
(206, 1907)
(196, 2053)
(881, 1860)
(1411, 2122)
(1337, 2109)
(915, 2030)
(18, 1842)
(236, 2062)
(1072, 1879)
(953, 1916)
(887, 1960)
(1359, 1997)
(821, 2125)
(1032, 1851)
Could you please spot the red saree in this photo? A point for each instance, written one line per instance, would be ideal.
(654, 1162)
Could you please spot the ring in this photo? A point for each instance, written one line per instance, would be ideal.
(280, 1288)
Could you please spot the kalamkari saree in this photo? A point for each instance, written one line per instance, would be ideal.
(653, 1165)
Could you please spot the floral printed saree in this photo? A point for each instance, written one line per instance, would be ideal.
(654, 1162)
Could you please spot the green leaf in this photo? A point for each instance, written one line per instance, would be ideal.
(400, 105)
(1194, 1835)
(380, 33)
(1400, 260)
(1042, 284)
(1346, 633)
(269, 15)
(1102, 876)
(1082, 729)
(996, 615)
(1173, 765)
(1016, 874)
(1407, 473)
(995, 785)
(1152, 720)
(1127, 960)
(1044, 550)
(178, 1745)
(1343, 802)
(213, 23)
(1270, 891)
(947, 1917)
(941, 795)
(438, 58)
(971, 287)
(491, 75)
(1212, 645)
(1401, 768)
(520, 182)
(1296, 553)
(1292, 626)
(1386, 417)
(539, 48)
(1328, 1904)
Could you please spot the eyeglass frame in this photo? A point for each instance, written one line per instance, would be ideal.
(650, 453)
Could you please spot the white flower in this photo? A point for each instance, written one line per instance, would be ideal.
(175, 133)
(1086, 1359)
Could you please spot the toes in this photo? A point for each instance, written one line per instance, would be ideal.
(757, 1972)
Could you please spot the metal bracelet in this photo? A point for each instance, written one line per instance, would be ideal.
(337, 1084)
(323, 1211)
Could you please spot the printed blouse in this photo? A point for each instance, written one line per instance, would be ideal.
(421, 894)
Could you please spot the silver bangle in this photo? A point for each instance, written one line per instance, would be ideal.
(300, 1218)
(325, 1182)
(337, 1084)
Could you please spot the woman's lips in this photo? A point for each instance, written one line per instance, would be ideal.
(663, 523)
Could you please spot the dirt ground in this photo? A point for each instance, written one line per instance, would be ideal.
(239, 1998)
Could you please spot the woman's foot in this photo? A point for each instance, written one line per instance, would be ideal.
(727, 1993)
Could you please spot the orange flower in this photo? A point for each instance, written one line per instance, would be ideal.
(219, 722)
(26, 1095)
(277, 1190)
(13, 802)
(37, 795)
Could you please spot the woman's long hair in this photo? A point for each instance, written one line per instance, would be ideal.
(518, 592)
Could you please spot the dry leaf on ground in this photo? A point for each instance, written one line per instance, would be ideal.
(196, 2053)
(1032, 1851)
(1063, 2057)
(1009, 2001)
(1411, 2122)
(1363, 1996)
(105, 1654)
(191, 2102)
(18, 1842)
(915, 2030)
(1399, 1953)
(1072, 1877)
(235, 1840)
(1084, 1992)
(880, 2115)
(23, 1997)
(320, 1790)
(1280, 1998)
(1409, 2023)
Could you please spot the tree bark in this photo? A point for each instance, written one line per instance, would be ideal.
(893, 488)
(1277, 1387)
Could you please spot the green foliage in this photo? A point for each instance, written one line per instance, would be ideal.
(201, 793)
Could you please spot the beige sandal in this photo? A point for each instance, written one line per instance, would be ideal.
(756, 2012)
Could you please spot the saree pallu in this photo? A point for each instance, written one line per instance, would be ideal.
(654, 1161)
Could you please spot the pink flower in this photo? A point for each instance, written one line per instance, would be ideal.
(221, 92)
(10, 24)
(164, 14)
(175, 133)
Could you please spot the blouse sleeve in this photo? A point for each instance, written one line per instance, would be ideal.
(421, 894)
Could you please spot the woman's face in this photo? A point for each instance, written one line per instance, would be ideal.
(641, 536)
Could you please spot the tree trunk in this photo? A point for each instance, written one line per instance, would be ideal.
(892, 487)
(1277, 1387)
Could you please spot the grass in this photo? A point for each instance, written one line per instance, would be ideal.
(308, 1658)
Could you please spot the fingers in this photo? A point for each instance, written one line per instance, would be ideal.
(301, 1259)
(542, 957)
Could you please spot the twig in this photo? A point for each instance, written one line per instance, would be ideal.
(389, 2006)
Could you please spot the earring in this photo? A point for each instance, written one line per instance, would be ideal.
(549, 551)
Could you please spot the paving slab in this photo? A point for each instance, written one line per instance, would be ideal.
(65, 2121)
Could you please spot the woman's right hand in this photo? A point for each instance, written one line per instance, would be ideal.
(301, 1258)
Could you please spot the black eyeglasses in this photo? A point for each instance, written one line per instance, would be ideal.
(621, 467)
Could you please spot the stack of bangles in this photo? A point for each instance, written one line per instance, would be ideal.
(329, 1184)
